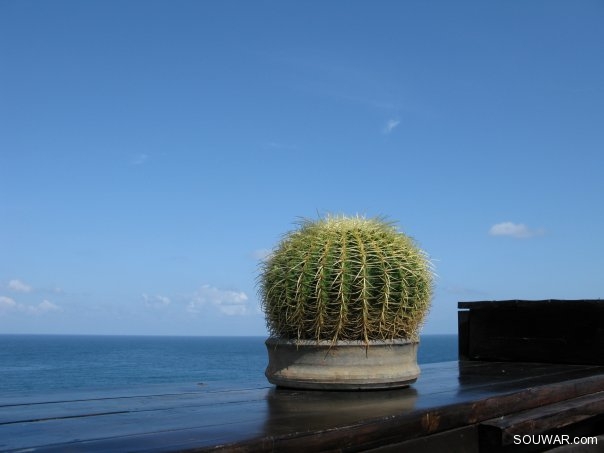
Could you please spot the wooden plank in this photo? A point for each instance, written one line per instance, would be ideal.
(148, 390)
(460, 440)
(500, 432)
(95, 407)
(445, 397)
(210, 419)
(180, 440)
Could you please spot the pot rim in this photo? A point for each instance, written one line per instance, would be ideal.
(273, 341)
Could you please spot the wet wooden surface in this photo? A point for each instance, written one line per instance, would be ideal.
(448, 397)
(501, 431)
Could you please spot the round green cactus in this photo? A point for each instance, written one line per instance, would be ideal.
(346, 278)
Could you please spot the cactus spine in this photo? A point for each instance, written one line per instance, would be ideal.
(346, 278)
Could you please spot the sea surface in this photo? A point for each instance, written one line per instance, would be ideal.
(34, 364)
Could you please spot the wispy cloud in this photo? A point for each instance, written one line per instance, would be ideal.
(18, 286)
(280, 146)
(43, 307)
(362, 85)
(227, 302)
(514, 230)
(139, 159)
(261, 254)
(156, 301)
(9, 305)
(390, 126)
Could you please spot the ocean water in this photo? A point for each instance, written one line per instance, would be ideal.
(34, 364)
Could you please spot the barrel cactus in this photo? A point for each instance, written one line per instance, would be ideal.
(346, 278)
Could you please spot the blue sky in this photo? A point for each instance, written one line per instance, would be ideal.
(152, 152)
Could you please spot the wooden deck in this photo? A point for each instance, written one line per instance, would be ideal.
(454, 406)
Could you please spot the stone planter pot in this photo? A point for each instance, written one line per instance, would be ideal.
(350, 365)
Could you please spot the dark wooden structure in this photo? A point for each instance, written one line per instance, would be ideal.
(552, 331)
(469, 406)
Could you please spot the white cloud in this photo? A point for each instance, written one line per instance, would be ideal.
(42, 307)
(7, 304)
(18, 286)
(156, 301)
(515, 230)
(230, 303)
(390, 126)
